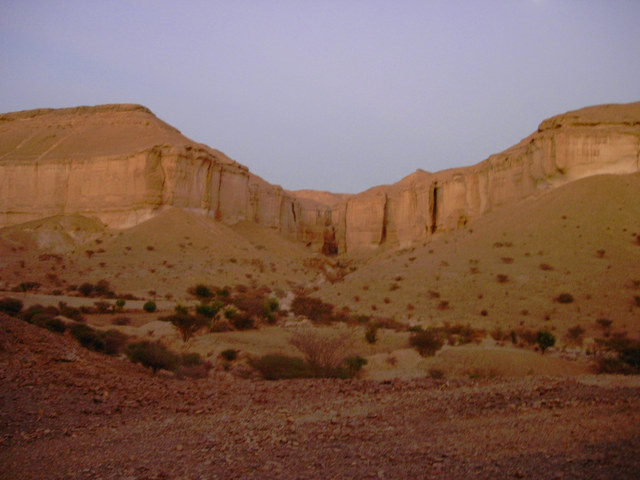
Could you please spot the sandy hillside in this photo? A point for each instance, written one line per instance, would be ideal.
(580, 239)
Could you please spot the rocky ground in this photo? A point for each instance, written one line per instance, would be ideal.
(68, 413)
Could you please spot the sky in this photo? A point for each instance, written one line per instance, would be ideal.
(337, 95)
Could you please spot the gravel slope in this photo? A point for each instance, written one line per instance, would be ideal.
(67, 413)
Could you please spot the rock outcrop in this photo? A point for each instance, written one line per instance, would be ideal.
(595, 140)
(121, 164)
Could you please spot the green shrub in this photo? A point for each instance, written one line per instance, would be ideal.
(120, 303)
(153, 355)
(229, 354)
(11, 306)
(149, 306)
(209, 310)
(545, 339)
(277, 366)
(201, 291)
(427, 342)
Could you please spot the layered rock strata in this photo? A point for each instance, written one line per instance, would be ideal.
(121, 164)
(595, 140)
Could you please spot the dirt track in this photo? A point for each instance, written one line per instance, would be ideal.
(69, 413)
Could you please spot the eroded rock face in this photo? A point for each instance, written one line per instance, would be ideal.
(595, 140)
(122, 165)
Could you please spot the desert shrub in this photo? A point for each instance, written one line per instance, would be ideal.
(102, 306)
(87, 337)
(352, 366)
(28, 314)
(153, 355)
(120, 303)
(86, 289)
(121, 321)
(28, 286)
(70, 312)
(527, 336)
(636, 300)
(49, 322)
(229, 354)
(277, 366)
(201, 291)
(181, 309)
(443, 305)
(502, 278)
(186, 324)
(242, 321)
(103, 289)
(371, 333)
(574, 334)
(436, 373)
(604, 323)
(11, 306)
(313, 308)
(324, 353)
(149, 306)
(209, 310)
(564, 298)
(114, 341)
(545, 339)
(427, 342)
(220, 326)
(462, 334)
(621, 355)
(545, 267)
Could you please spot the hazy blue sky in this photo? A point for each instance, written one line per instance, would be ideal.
(332, 95)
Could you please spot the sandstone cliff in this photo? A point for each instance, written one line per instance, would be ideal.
(122, 165)
(595, 140)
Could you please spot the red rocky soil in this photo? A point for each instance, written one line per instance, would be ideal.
(68, 413)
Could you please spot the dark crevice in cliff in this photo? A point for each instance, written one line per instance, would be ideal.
(293, 212)
(218, 214)
(385, 220)
(433, 206)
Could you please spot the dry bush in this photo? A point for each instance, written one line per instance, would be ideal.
(427, 342)
(502, 278)
(564, 298)
(313, 308)
(324, 353)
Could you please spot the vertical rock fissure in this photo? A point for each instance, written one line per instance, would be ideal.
(218, 214)
(293, 212)
(433, 207)
(385, 220)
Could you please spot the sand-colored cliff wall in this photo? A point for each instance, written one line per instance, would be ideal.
(121, 164)
(595, 140)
